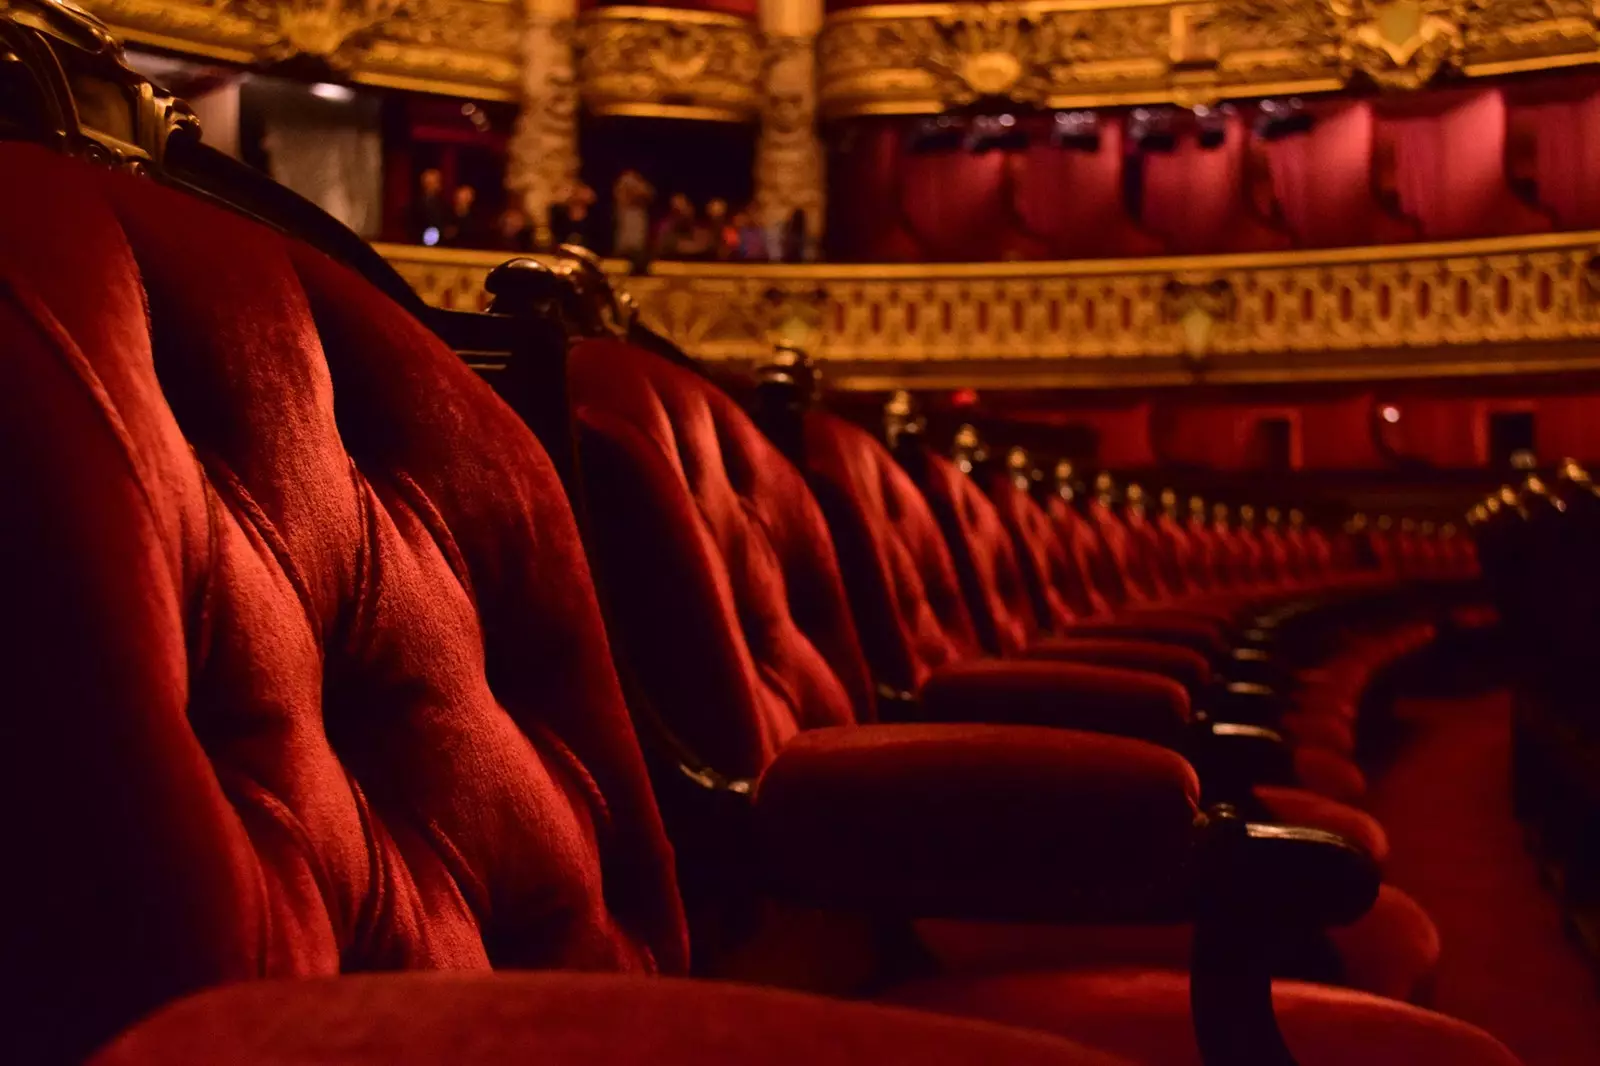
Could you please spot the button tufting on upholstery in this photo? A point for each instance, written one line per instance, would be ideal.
(350, 636)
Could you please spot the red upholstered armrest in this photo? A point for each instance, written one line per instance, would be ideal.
(980, 822)
(558, 1019)
(1184, 665)
(1065, 695)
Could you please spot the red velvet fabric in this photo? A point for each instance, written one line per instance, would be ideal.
(1323, 181)
(1450, 170)
(902, 583)
(1068, 695)
(1091, 222)
(1391, 951)
(1135, 1014)
(760, 643)
(1184, 665)
(997, 593)
(1199, 199)
(943, 821)
(316, 679)
(560, 1020)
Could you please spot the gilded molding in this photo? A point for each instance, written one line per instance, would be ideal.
(453, 47)
(925, 58)
(790, 171)
(1501, 305)
(662, 62)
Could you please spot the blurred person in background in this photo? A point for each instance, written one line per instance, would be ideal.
(632, 196)
(429, 213)
(724, 238)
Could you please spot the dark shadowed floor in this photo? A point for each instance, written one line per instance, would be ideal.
(1507, 965)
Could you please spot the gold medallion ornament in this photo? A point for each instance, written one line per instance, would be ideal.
(1401, 44)
(669, 63)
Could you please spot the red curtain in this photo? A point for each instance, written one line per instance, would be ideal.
(1556, 142)
(1323, 182)
(1072, 199)
(865, 222)
(955, 203)
(1449, 156)
(1197, 199)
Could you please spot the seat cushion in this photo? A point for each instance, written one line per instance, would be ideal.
(1391, 951)
(1144, 1016)
(561, 1020)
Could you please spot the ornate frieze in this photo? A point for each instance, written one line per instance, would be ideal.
(454, 47)
(666, 62)
(923, 58)
(1504, 305)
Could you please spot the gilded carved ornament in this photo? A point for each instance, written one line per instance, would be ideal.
(454, 47)
(1401, 44)
(789, 165)
(923, 58)
(665, 62)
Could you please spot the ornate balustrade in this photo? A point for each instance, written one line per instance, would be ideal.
(1503, 305)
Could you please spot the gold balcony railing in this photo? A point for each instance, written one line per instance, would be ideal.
(1503, 305)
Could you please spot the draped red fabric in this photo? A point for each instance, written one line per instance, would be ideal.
(1323, 181)
(1196, 199)
(1072, 198)
(864, 179)
(1124, 436)
(1336, 434)
(1562, 141)
(1449, 155)
(1440, 431)
(955, 203)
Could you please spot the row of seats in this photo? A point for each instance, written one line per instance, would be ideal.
(959, 601)
(326, 660)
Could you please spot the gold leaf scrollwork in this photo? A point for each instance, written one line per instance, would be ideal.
(1400, 44)
(331, 29)
(661, 62)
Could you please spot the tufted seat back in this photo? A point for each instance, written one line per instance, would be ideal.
(1057, 577)
(902, 582)
(992, 578)
(718, 565)
(1127, 580)
(1090, 561)
(305, 674)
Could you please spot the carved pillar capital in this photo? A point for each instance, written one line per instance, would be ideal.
(789, 157)
(543, 157)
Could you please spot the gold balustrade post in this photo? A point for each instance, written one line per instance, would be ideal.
(789, 161)
(543, 158)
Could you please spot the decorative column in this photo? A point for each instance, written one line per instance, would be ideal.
(789, 159)
(543, 162)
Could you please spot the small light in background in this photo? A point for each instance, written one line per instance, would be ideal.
(1389, 413)
(964, 398)
(430, 236)
(327, 90)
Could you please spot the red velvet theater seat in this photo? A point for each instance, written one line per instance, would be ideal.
(734, 614)
(306, 677)
(895, 559)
